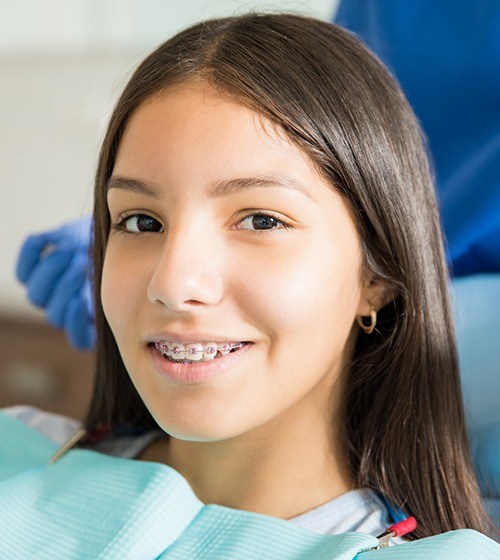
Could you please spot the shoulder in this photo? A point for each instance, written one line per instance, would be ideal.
(53, 426)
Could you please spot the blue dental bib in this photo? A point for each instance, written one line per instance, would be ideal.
(92, 506)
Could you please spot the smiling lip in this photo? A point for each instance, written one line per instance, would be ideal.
(193, 338)
(196, 372)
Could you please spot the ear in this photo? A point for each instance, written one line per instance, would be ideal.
(376, 292)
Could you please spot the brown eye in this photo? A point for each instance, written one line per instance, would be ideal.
(141, 223)
(261, 222)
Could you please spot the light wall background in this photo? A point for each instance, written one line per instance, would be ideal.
(62, 65)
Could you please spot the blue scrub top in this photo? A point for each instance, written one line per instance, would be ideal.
(446, 55)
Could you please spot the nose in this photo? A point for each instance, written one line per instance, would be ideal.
(188, 272)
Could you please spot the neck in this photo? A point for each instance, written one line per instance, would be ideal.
(282, 469)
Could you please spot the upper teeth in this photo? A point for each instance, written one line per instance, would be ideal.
(195, 352)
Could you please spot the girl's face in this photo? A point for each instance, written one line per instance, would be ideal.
(223, 233)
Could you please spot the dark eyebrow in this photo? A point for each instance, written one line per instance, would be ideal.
(132, 185)
(227, 187)
(219, 189)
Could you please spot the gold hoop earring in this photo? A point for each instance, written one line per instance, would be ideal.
(368, 329)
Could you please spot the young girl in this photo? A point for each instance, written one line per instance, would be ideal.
(271, 295)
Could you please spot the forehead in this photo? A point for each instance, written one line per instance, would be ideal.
(199, 122)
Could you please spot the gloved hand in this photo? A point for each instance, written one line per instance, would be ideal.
(55, 268)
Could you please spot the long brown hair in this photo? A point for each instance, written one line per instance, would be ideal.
(404, 423)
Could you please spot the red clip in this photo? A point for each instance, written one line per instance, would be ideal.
(404, 527)
(397, 530)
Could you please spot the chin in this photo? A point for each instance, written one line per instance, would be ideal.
(189, 428)
(195, 434)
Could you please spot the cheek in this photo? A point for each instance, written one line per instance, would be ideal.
(305, 288)
(119, 290)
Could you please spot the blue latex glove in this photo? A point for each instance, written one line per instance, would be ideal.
(54, 266)
(446, 56)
